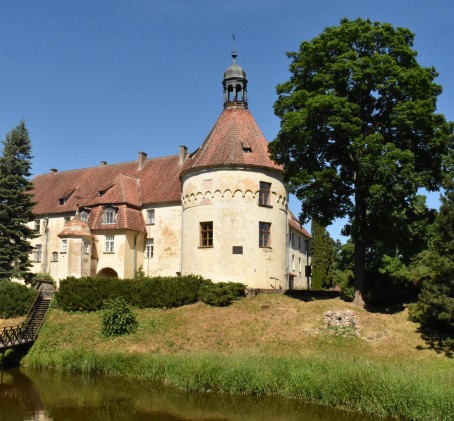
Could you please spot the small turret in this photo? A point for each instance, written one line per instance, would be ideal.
(235, 84)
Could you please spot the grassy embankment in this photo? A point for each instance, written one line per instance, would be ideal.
(266, 345)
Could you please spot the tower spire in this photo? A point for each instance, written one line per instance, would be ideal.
(235, 84)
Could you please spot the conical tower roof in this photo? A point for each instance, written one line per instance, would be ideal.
(236, 138)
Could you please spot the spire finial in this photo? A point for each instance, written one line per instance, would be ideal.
(234, 56)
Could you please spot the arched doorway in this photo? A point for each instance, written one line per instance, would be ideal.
(107, 273)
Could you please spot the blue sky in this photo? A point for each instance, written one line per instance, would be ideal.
(102, 80)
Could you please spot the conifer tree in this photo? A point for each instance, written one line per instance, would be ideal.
(435, 307)
(15, 204)
(322, 256)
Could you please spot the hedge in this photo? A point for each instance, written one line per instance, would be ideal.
(90, 293)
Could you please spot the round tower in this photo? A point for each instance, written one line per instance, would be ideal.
(234, 199)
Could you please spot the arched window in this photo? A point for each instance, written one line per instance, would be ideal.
(83, 216)
(54, 256)
(109, 216)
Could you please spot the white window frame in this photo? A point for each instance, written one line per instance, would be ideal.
(149, 248)
(38, 253)
(109, 216)
(151, 216)
(86, 247)
(83, 216)
(64, 246)
(37, 226)
(109, 244)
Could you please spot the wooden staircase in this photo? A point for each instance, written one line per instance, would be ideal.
(27, 331)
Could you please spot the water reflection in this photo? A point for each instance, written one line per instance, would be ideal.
(56, 396)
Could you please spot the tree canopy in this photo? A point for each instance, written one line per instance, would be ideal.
(15, 204)
(359, 131)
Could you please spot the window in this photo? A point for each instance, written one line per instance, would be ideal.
(264, 234)
(86, 247)
(83, 216)
(299, 242)
(54, 256)
(37, 226)
(149, 249)
(38, 250)
(109, 216)
(150, 216)
(67, 219)
(206, 234)
(293, 262)
(64, 246)
(299, 266)
(109, 245)
(264, 194)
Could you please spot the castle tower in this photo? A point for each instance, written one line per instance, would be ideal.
(234, 199)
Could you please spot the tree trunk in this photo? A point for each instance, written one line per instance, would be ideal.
(359, 226)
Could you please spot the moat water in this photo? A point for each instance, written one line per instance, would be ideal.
(55, 396)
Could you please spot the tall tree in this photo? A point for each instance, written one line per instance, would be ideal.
(359, 132)
(322, 251)
(15, 204)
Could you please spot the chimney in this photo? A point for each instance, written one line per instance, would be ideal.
(53, 170)
(183, 154)
(141, 160)
(102, 163)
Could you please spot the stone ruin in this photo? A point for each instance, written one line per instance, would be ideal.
(342, 321)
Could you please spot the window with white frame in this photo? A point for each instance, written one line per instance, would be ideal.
(64, 246)
(109, 216)
(37, 225)
(83, 216)
(54, 257)
(86, 247)
(149, 248)
(38, 251)
(150, 216)
(109, 245)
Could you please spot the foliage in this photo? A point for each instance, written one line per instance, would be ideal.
(435, 307)
(222, 293)
(15, 299)
(322, 252)
(118, 318)
(359, 131)
(90, 294)
(16, 205)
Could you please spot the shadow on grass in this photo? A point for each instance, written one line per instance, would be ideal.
(311, 295)
(388, 308)
(440, 342)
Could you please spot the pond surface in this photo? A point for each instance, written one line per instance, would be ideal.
(55, 396)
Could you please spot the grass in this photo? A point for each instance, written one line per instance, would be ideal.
(265, 345)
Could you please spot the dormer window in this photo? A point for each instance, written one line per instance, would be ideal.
(83, 216)
(109, 216)
(64, 199)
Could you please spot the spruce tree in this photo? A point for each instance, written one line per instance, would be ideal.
(435, 307)
(15, 204)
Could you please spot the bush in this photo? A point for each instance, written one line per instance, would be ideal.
(345, 280)
(118, 318)
(15, 299)
(90, 294)
(222, 294)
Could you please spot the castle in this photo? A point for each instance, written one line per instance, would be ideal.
(220, 212)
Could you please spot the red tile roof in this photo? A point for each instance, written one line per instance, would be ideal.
(234, 140)
(295, 224)
(157, 182)
(127, 218)
(75, 228)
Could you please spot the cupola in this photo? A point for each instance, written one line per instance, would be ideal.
(235, 84)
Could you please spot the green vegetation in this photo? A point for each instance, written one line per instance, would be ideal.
(360, 135)
(322, 253)
(435, 307)
(90, 294)
(118, 318)
(16, 205)
(15, 299)
(222, 293)
(264, 345)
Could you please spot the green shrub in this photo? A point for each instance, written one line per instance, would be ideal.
(222, 293)
(345, 280)
(118, 318)
(15, 299)
(90, 294)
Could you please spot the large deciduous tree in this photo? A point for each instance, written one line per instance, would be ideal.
(359, 130)
(15, 204)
